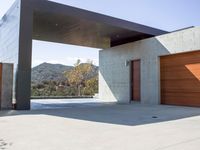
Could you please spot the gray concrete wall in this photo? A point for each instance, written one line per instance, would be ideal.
(7, 86)
(9, 38)
(16, 47)
(114, 78)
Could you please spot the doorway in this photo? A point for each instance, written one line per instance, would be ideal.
(135, 80)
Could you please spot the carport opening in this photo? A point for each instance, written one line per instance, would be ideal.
(63, 75)
(65, 24)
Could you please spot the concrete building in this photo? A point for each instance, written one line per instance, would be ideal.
(137, 62)
(169, 70)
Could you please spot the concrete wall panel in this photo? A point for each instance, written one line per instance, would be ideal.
(9, 38)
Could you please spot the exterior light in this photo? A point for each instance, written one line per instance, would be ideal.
(127, 62)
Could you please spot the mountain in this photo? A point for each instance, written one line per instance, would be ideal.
(55, 72)
(47, 72)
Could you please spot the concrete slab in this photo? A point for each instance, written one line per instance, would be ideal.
(105, 127)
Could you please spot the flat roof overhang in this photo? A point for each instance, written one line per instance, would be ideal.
(65, 24)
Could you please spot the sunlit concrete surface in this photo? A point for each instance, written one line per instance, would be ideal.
(105, 127)
(65, 103)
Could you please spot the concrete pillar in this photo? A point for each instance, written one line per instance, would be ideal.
(23, 81)
(6, 85)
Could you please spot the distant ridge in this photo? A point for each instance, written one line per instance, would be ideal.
(54, 72)
(47, 72)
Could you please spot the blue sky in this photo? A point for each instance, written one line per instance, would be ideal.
(168, 15)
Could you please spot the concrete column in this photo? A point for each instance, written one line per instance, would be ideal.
(6, 83)
(23, 81)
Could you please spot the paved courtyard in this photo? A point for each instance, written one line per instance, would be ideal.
(101, 127)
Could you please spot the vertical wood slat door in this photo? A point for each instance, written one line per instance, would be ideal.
(180, 79)
(135, 69)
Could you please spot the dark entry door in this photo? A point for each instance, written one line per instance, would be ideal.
(135, 80)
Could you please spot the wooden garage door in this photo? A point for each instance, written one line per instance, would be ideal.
(180, 79)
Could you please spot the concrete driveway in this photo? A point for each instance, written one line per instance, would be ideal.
(102, 127)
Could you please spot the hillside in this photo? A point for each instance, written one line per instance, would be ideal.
(49, 72)
(50, 80)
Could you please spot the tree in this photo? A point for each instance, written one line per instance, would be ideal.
(78, 75)
(91, 86)
(78, 62)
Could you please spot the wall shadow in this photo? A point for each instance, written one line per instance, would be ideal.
(117, 114)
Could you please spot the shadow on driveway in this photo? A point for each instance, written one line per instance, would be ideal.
(119, 114)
